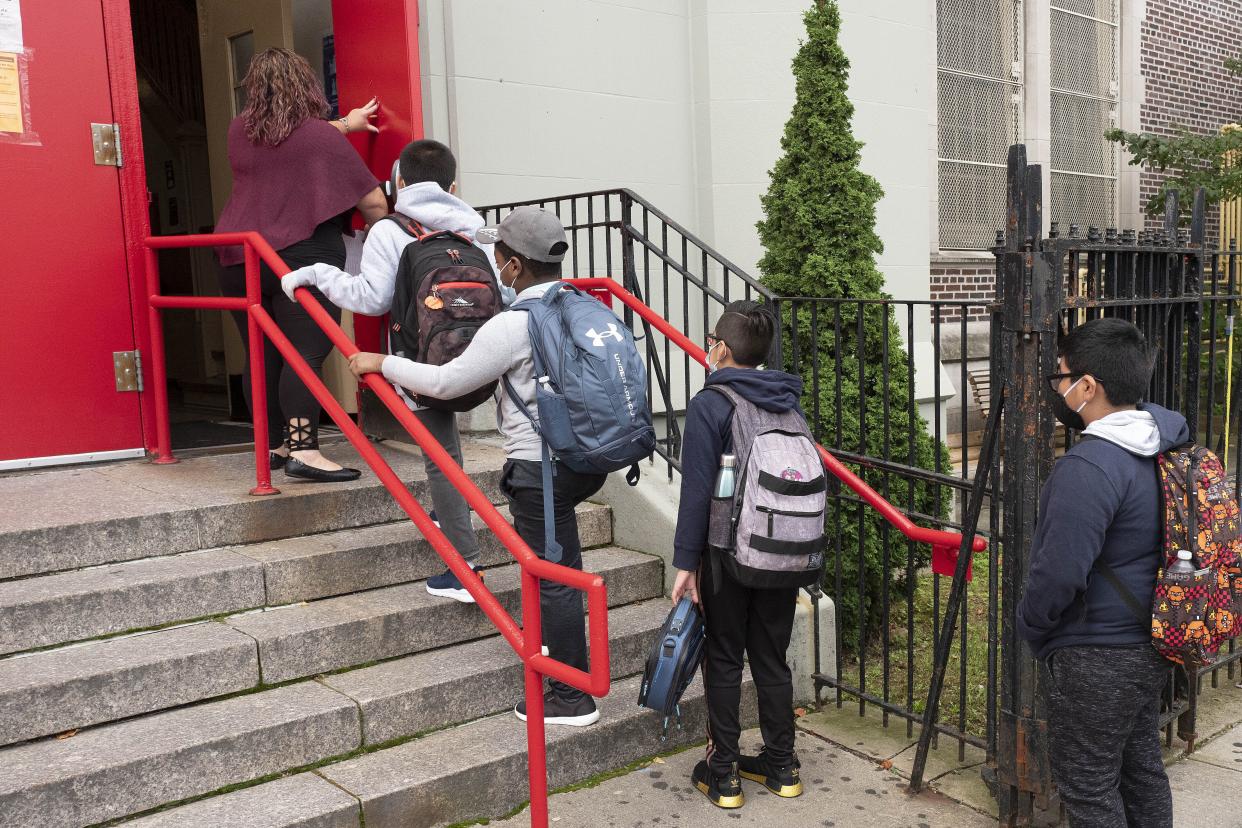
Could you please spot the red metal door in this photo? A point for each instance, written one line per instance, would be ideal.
(66, 301)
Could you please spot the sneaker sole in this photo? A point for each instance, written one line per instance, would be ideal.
(726, 802)
(572, 721)
(456, 594)
(787, 791)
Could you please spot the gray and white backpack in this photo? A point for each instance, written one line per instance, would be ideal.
(770, 534)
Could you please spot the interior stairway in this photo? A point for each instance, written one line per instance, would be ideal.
(174, 652)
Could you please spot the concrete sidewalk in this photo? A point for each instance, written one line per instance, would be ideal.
(841, 789)
(1208, 779)
(844, 789)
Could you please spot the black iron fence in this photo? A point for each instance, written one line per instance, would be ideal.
(619, 234)
(900, 390)
(1183, 297)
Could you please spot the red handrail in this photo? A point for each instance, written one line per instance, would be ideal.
(526, 640)
(937, 538)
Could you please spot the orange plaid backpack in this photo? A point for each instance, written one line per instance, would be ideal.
(1192, 614)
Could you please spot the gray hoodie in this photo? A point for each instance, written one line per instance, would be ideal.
(371, 291)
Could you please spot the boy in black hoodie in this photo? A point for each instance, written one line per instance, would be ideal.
(739, 619)
(1101, 504)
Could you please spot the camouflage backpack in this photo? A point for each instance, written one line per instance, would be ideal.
(1192, 614)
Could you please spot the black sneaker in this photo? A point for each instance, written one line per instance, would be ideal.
(782, 780)
(578, 713)
(722, 791)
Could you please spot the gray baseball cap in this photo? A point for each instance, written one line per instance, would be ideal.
(532, 231)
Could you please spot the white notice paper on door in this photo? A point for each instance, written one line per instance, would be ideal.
(11, 26)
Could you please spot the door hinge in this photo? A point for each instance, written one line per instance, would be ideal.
(106, 141)
(127, 366)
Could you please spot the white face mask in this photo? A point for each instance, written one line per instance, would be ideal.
(500, 274)
(712, 366)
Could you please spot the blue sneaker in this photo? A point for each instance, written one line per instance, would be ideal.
(434, 519)
(446, 585)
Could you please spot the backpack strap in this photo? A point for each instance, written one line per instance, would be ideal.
(408, 225)
(1142, 615)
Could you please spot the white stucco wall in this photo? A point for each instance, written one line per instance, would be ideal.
(683, 101)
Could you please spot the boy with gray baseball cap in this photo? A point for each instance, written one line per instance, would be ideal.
(529, 247)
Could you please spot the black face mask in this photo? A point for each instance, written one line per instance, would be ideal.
(1065, 415)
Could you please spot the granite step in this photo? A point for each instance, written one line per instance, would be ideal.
(421, 783)
(64, 519)
(336, 633)
(335, 563)
(87, 603)
(57, 690)
(127, 767)
(137, 765)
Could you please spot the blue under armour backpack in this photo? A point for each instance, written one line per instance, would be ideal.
(590, 383)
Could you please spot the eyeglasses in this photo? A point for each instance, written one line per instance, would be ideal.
(1054, 380)
(712, 339)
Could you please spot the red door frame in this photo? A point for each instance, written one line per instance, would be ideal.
(123, 85)
(376, 54)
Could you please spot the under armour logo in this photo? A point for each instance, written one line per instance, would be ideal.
(597, 339)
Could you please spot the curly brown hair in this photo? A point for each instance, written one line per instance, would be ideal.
(282, 92)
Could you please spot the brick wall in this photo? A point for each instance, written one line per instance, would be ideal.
(1183, 45)
(972, 280)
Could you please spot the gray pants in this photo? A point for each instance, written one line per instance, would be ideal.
(1104, 705)
(450, 506)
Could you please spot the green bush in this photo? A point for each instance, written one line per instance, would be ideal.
(820, 241)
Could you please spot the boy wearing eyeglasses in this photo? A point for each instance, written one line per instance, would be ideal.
(1101, 506)
(740, 620)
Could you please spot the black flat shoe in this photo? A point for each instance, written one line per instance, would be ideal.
(276, 461)
(296, 468)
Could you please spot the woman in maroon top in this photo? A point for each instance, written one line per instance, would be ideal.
(296, 179)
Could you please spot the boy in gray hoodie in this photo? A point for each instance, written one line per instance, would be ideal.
(426, 192)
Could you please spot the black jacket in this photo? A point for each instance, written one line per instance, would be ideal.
(1101, 502)
(709, 434)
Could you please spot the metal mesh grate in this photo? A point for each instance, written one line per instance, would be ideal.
(979, 48)
(972, 205)
(1084, 55)
(1083, 200)
(1100, 9)
(977, 36)
(1078, 144)
(976, 119)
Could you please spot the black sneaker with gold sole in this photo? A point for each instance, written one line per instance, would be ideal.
(780, 780)
(722, 791)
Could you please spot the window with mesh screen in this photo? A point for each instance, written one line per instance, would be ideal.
(979, 53)
(1084, 67)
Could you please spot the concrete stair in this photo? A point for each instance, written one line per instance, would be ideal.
(318, 655)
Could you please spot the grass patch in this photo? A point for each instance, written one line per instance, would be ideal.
(909, 658)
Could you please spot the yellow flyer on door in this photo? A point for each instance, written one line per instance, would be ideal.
(10, 94)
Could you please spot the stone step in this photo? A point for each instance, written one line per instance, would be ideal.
(419, 693)
(56, 691)
(134, 766)
(425, 782)
(66, 519)
(336, 633)
(335, 563)
(72, 606)
(124, 768)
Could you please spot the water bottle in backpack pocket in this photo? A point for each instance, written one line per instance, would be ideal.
(770, 530)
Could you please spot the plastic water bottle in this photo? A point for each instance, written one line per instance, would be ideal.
(1183, 565)
(726, 478)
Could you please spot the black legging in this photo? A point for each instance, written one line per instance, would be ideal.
(288, 399)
